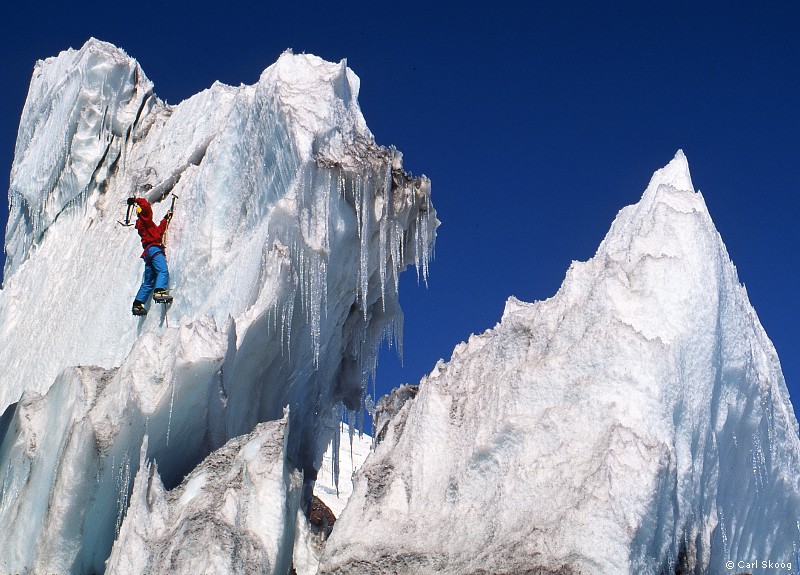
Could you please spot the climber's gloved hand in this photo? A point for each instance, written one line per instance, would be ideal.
(131, 201)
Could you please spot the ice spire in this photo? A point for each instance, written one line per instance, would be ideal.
(670, 190)
(635, 423)
(675, 174)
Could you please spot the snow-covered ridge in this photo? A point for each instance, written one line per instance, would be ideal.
(290, 231)
(636, 423)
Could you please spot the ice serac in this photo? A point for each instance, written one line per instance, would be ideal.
(234, 513)
(636, 423)
(291, 228)
(81, 109)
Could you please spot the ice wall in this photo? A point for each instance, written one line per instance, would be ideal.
(291, 228)
(637, 423)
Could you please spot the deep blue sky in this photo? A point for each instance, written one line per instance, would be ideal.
(536, 122)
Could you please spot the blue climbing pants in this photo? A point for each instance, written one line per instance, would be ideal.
(156, 274)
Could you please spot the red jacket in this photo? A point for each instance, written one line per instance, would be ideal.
(152, 234)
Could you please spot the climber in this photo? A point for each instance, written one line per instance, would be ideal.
(156, 274)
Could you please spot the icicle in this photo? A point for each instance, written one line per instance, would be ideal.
(398, 254)
(361, 410)
(171, 404)
(351, 433)
(351, 419)
(358, 202)
(416, 241)
(386, 211)
(335, 447)
(363, 273)
(288, 315)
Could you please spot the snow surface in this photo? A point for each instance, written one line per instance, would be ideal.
(291, 227)
(635, 423)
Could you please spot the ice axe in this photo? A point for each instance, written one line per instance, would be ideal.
(172, 206)
(131, 203)
(170, 213)
(171, 210)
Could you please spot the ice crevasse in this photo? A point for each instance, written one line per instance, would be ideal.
(291, 228)
(636, 423)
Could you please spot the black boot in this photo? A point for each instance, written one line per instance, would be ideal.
(162, 296)
(138, 308)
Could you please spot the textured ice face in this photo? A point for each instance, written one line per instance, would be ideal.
(286, 205)
(235, 513)
(636, 422)
(291, 227)
(81, 108)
